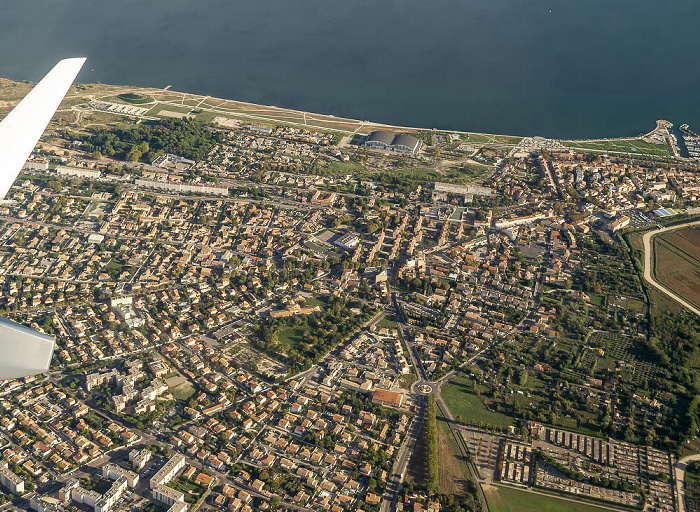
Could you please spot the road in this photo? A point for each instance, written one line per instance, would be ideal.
(393, 486)
(681, 465)
(648, 265)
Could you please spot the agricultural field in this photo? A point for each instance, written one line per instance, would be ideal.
(677, 262)
(507, 499)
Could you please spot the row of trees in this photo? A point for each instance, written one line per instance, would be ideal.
(430, 430)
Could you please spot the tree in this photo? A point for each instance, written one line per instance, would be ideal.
(134, 155)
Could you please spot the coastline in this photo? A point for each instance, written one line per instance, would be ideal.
(165, 102)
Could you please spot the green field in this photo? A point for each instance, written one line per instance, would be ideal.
(621, 146)
(183, 391)
(387, 322)
(291, 337)
(506, 499)
(134, 98)
(464, 403)
(596, 300)
(337, 167)
(318, 300)
(490, 139)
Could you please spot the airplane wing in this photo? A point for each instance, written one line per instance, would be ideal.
(21, 129)
(24, 351)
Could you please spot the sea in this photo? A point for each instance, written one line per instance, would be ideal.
(555, 68)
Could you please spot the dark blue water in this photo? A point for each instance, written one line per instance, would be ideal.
(560, 68)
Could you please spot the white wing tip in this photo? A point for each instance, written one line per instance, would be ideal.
(75, 63)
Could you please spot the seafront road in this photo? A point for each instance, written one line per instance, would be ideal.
(648, 265)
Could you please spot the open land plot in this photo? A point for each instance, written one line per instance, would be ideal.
(180, 388)
(13, 91)
(484, 449)
(467, 173)
(464, 403)
(677, 264)
(454, 474)
(162, 107)
(507, 499)
(621, 146)
(336, 167)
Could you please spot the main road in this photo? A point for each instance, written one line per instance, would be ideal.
(648, 265)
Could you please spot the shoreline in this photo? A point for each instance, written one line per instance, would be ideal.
(196, 104)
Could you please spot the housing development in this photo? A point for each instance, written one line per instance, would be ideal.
(259, 311)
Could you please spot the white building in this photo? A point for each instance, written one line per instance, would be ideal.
(114, 472)
(177, 186)
(62, 170)
(14, 483)
(348, 241)
(168, 471)
(108, 499)
(167, 495)
(139, 458)
(36, 165)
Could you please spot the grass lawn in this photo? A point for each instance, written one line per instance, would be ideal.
(207, 117)
(348, 167)
(387, 322)
(317, 300)
(621, 146)
(506, 499)
(630, 304)
(406, 381)
(463, 402)
(134, 98)
(476, 137)
(596, 299)
(508, 139)
(291, 336)
(183, 391)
